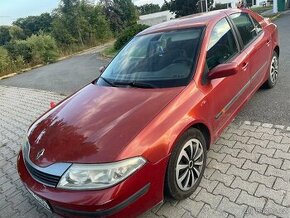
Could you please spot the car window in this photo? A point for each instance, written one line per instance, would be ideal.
(245, 27)
(163, 59)
(222, 45)
(257, 25)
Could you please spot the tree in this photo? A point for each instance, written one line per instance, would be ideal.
(165, 6)
(148, 9)
(5, 36)
(120, 13)
(34, 24)
(182, 7)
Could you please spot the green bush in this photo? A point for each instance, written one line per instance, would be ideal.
(127, 34)
(219, 6)
(7, 65)
(43, 48)
(20, 49)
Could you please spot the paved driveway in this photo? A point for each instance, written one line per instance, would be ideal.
(247, 174)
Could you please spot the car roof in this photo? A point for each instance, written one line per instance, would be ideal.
(200, 19)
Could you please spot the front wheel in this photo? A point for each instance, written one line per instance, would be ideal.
(273, 72)
(186, 165)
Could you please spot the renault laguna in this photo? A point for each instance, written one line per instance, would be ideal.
(142, 129)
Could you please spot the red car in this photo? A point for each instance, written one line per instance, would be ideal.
(144, 126)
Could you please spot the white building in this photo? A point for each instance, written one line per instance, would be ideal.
(156, 18)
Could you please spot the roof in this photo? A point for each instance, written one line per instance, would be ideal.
(200, 19)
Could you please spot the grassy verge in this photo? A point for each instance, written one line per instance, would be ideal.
(109, 52)
(261, 9)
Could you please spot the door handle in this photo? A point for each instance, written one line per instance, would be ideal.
(268, 42)
(245, 66)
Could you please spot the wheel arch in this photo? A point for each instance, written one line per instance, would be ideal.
(277, 50)
(205, 131)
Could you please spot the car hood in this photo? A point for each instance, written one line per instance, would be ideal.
(95, 124)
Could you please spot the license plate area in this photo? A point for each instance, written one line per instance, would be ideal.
(40, 201)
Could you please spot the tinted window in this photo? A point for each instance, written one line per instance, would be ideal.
(222, 45)
(245, 26)
(257, 26)
(164, 59)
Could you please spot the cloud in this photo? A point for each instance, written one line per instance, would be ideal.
(142, 2)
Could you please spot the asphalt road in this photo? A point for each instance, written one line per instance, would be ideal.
(67, 76)
(64, 77)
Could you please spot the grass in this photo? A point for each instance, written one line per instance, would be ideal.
(261, 9)
(109, 52)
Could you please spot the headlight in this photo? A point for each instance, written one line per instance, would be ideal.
(99, 176)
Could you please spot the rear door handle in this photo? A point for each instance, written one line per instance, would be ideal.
(268, 42)
(245, 66)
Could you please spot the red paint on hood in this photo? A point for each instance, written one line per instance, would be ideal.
(95, 124)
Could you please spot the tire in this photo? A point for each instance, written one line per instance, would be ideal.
(273, 72)
(179, 166)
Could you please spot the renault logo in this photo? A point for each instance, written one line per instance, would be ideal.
(40, 153)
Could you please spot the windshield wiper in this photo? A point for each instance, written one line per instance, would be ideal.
(134, 84)
(107, 81)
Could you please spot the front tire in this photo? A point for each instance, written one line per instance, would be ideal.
(186, 165)
(273, 72)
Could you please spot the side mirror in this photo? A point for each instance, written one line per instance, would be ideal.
(223, 70)
(102, 69)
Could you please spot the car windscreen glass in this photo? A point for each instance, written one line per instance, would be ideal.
(158, 60)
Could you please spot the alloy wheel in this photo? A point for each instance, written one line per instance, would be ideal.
(189, 164)
(274, 69)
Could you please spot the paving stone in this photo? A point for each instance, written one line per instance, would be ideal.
(208, 198)
(243, 146)
(281, 154)
(256, 202)
(265, 130)
(194, 207)
(271, 161)
(171, 212)
(209, 185)
(286, 140)
(275, 209)
(223, 167)
(227, 142)
(223, 190)
(235, 131)
(261, 168)
(284, 174)
(281, 184)
(253, 156)
(285, 165)
(215, 155)
(232, 208)
(249, 187)
(277, 139)
(283, 147)
(232, 151)
(267, 151)
(239, 138)
(244, 174)
(224, 178)
(238, 162)
(208, 212)
(256, 135)
(267, 125)
(251, 212)
(262, 143)
(251, 128)
(276, 196)
(263, 179)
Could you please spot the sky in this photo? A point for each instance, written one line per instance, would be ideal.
(10, 10)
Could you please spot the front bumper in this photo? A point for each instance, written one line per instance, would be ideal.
(133, 196)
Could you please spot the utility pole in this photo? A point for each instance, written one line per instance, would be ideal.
(206, 8)
(275, 6)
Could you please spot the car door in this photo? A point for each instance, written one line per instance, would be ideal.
(224, 95)
(256, 43)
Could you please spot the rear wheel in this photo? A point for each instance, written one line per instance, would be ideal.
(273, 72)
(186, 165)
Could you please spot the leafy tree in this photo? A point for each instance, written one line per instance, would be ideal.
(182, 7)
(148, 9)
(5, 36)
(20, 49)
(34, 24)
(16, 33)
(120, 13)
(165, 6)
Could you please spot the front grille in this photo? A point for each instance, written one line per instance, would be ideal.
(44, 178)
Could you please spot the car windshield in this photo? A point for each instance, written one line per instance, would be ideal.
(158, 60)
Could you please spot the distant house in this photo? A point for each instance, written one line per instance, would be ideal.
(156, 18)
